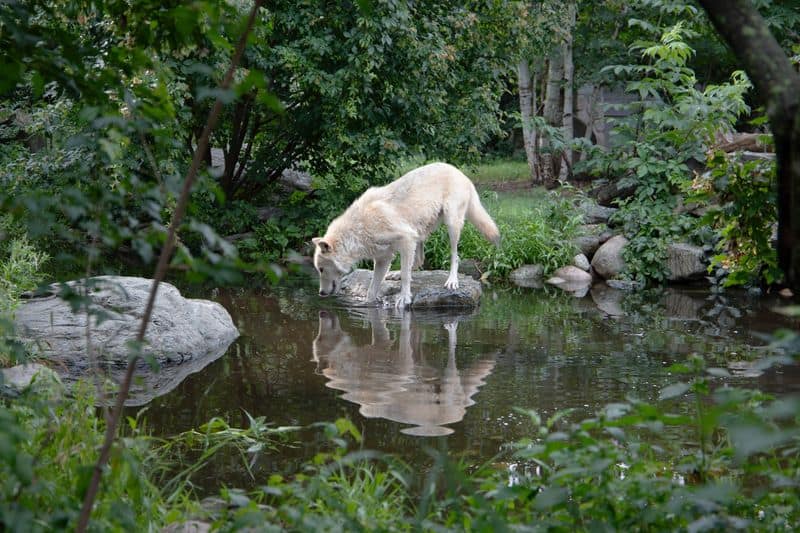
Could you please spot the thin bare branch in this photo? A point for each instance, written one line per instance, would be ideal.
(161, 269)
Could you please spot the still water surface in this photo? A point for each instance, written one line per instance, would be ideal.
(448, 381)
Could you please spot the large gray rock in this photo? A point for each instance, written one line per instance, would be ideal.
(529, 276)
(595, 214)
(607, 260)
(427, 290)
(183, 336)
(685, 262)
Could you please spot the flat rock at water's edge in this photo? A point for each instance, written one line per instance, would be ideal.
(427, 290)
(184, 335)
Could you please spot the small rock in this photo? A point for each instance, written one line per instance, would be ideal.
(527, 276)
(605, 236)
(21, 377)
(685, 262)
(571, 279)
(294, 179)
(608, 261)
(786, 293)
(587, 244)
(581, 262)
(571, 273)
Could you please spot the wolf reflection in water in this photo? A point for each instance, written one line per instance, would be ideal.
(392, 379)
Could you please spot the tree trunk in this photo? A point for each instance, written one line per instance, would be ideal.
(527, 108)
(778, 87)
(569, 105)
(549, 161)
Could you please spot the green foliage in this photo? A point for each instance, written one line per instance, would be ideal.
(47, 448)
(48, 443)
(231, 218)
(745, 213)
(20, 270)
(534, 228)
(619, 467)
(672, 121)
(20, 265)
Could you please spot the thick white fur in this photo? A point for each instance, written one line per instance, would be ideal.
(398, 217)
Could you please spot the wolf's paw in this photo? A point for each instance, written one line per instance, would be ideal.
(402, 301)
(394, 275)
(451, 327)
(451, 283)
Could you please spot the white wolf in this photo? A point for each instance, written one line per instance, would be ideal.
(398, 217)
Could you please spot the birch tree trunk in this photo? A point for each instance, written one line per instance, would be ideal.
(527, 108)
(549, 162)
(569, 103)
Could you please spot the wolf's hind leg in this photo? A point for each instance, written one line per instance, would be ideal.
(455, 223)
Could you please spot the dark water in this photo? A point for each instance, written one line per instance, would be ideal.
(418, 380)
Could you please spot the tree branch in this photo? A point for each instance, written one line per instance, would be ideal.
(161, 269)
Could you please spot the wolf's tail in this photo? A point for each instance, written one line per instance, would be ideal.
(481, 219)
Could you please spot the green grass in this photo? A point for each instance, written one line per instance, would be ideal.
(492, 172)
(536, 227)
(499, 171)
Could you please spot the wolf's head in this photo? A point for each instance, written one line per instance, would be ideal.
(329, 268)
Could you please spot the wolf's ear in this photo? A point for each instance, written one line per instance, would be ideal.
(324, 247)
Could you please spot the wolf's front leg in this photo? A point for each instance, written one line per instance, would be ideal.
(379, 270)
(406, 261)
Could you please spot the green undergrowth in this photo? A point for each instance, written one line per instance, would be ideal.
(20, 270)
(536, 227)
(704, 457)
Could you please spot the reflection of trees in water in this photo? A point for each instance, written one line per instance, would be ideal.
(393, 379)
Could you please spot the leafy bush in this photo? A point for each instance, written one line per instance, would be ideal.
(47, 448)
(744, 210)
(20, 267)
(672, 122)
(20, 270)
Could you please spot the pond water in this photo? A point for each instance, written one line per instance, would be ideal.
(451, 381)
